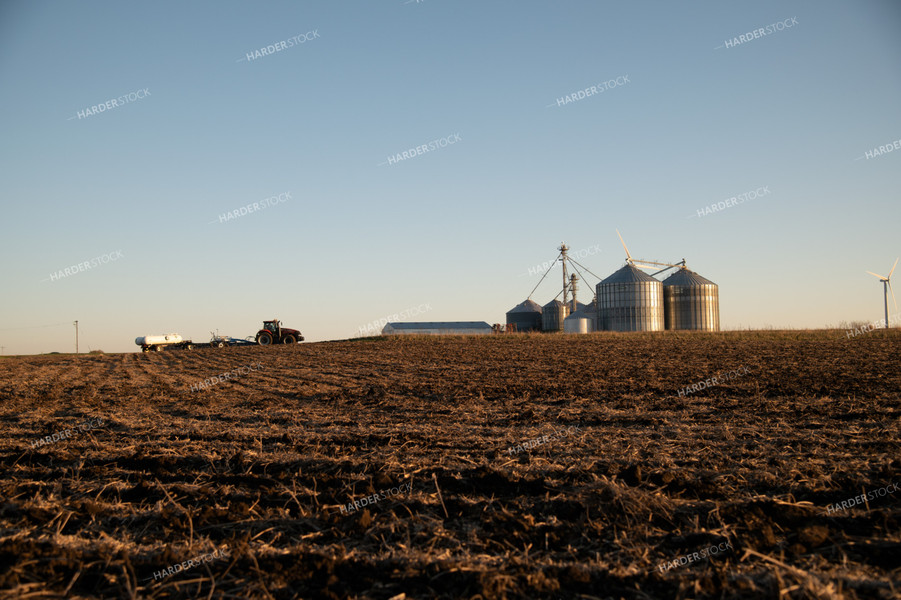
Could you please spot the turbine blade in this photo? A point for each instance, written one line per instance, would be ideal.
(893, 294)
(893, 269)
(875, 275)
(629, 256)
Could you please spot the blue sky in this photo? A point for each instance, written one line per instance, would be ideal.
(457, 227)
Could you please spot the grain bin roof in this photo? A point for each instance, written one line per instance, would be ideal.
(628, 274)
(553, 303)
(525, 306)
(585, 311)
(684, 277)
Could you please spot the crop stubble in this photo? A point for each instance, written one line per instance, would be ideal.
(259, 465)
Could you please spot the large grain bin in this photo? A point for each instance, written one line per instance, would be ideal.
(691, 302)
(630, 300)
(525, 316)
(552, 315)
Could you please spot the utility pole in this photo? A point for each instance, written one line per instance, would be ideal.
(563, 249)
(76, 337)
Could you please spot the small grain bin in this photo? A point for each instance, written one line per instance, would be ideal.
(525, 316)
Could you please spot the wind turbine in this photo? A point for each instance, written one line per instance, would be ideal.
(886, 286)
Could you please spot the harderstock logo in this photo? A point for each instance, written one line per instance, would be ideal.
(578, 254)
(189, 564)
(86, 265)
(543, 439)
(375, 327)
(253, 207)
(376, 497)
(422, 149)
(593, 90)
(111, 104)
(863, 498)
(227, 376)
(873, 326)
(880, 150)
(733, 201)
(67, 433)
(694, 556)
(713, 381)
(759, 33)
(277, 47)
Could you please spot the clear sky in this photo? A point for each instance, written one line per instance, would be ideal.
(361, 233)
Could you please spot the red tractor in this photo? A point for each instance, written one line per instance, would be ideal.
(273, 333)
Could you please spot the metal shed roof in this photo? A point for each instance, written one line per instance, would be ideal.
(441, 325)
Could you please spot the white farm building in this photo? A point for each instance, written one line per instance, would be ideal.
(438, 328)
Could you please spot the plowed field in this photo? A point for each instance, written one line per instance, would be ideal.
(625, 494)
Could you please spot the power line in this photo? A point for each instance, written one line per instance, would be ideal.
(35, 326)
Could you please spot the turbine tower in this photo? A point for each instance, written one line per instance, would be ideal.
(886, 286)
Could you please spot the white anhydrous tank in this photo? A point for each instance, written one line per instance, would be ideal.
(155, 340)
(575, 325)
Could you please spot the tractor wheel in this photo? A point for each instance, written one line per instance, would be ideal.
(189, 347)
(264, 338)
(220, 345)
(289, 339)
(157, 348)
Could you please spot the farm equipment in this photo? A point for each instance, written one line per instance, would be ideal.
(273, 333)
(158, 343)
(221, 341)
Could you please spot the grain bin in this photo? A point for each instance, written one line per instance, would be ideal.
(525, 316)
(691, 302)
(583, 320)
(575, 324)
(552, 315)
(630, 300)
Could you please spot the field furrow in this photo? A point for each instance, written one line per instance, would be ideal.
(515, 466)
